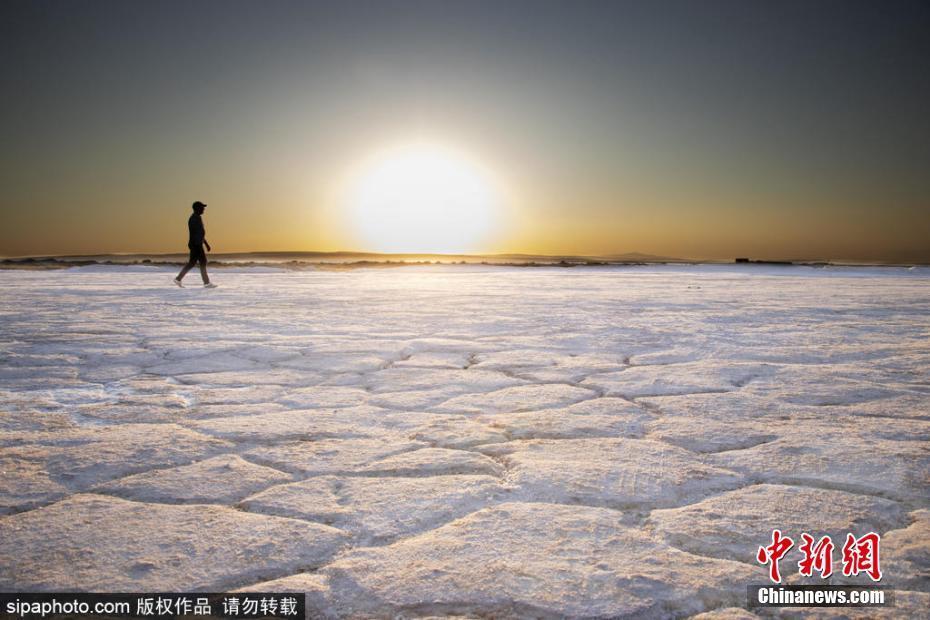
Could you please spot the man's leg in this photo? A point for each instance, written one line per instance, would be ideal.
(190, 265)
(203, 267)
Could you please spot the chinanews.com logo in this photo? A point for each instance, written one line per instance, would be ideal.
(859, 556)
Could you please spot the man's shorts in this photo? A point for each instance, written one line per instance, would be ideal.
(197, 255)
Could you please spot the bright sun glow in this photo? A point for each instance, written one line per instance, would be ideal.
(422, 199)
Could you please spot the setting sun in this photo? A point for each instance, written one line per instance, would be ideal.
(422, 198)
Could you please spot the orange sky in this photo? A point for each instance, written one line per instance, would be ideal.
(792, 131)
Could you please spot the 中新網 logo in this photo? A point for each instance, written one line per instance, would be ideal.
(860, 555)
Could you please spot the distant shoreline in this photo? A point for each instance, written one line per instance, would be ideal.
(350, 260)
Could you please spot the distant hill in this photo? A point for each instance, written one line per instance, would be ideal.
(644, 258)
(349, 259)
(341, 257)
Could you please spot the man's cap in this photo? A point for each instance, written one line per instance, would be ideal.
(198, 204)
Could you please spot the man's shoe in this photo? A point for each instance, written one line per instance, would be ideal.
(209, 285)
(178, 282)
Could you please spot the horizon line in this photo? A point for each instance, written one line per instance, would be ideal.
(616, 257)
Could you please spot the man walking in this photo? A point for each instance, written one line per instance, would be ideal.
(196, 244)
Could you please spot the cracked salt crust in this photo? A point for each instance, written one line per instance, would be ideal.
(461, 441)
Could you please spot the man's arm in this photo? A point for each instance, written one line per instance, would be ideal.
(203, 233)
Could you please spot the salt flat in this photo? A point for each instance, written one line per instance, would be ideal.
(462, 440)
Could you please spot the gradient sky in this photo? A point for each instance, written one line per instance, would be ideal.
(792, 130)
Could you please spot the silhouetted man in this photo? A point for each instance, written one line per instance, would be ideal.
(196, 243)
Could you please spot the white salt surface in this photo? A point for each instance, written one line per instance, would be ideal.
(462, 440)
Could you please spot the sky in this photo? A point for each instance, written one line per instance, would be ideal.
(705, 130)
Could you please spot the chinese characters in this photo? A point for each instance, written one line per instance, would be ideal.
(860, 555)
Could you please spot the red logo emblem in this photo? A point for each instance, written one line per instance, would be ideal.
(860, 555)
(773, 553)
